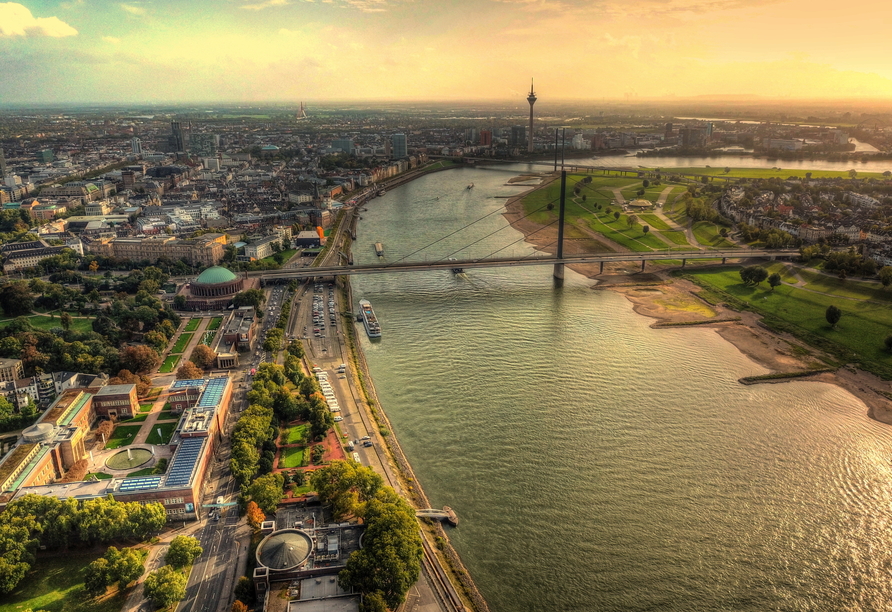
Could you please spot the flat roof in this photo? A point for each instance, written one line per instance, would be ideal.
(185, 459)
(116, 390)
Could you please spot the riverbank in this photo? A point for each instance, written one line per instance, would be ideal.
(675, 303)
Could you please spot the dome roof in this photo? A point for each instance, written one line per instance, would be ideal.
(284, 549)
(39, 432)
(215, 276)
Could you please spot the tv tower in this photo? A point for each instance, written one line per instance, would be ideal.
(532, 100)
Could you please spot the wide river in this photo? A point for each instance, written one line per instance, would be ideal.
(599, 464)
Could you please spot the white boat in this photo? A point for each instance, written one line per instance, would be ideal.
(372, 327)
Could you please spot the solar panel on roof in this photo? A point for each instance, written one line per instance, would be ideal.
(180, 472)
(183, 384)
(138, 484)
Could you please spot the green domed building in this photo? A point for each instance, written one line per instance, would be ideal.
(214, 289)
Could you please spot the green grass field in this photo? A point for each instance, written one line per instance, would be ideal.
(291, 457)
(139, 418)
(676, 237)
(169, 364)
(654, 222)
(208, 337)
(857, 338)
(166, 415)
(56, 584)
(143, 472)
(295, 434)
(215, 323)
(122, 436)
(181, 343)
(98, 475)
(46, 323)
(146, 407)
(707, 234)
(167, 430)
(192, 325)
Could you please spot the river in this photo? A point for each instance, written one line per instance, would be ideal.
(599, 464)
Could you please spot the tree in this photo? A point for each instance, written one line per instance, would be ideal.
(345, 487)
(646, 183)
(139, 358)
(645, 229)
(833, 315)
(888, 342)
(96, 578)
(179, 301)
(244, 590)
(753, 275)
(189, 371)
(165, 586)
(251, 297)
(774, 280)
(616, 215)
(374, 602)
(255, 515)
(65, 321)
(124, 566)
(203, 356)
(238, 606)
(631, 220)
(853, 173)
(885, 274)
(267, 491)
(183, 551)
(16, 299)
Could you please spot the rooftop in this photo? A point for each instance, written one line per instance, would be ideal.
(215, 276)
(116, 390)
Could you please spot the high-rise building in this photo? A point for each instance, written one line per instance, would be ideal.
(179, 137)
(517, 140)
(46, 156)
(486, 138)
(2, 164)
(344, 144)
(136, 146)
(388, 148)
(532, 100)
(400, 148)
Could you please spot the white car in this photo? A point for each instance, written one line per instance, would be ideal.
(338, 419)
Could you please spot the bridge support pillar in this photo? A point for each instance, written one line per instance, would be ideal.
(602, 268)
(642, 265)
(723, 259)
(559, 271)
(684, 262)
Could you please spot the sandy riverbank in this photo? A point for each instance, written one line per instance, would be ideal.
(671, 300)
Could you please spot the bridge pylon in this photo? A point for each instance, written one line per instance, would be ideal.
(559, 267)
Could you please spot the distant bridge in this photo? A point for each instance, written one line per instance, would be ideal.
(465, 264)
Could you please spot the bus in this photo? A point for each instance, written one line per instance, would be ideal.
(356, 457)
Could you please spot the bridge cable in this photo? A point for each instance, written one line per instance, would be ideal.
(498, 210)
(522, 238)
(494, 232)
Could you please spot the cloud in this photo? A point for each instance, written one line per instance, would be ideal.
(17, 20)
(133, 10)
(263, 5)
(632, 42)
(112, 39)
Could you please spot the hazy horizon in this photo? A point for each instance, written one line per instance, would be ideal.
(340, 51)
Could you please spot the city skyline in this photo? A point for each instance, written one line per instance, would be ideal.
(291, 50)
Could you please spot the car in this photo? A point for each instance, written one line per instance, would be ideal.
(338, 419)
(366, 438)
(367, 443)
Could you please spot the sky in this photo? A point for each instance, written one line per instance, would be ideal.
(254, 51)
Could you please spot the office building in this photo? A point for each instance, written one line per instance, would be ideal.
(400, 148)
(136, 146)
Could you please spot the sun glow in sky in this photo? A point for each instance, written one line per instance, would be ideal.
(288, 50)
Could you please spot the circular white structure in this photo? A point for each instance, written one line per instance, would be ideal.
(41, 432)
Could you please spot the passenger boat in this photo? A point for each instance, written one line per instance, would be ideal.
(372, 327)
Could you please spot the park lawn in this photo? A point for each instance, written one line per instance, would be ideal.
(295, 434)
(291, 457)
(167, 415)
(167, 430)
(676, 237)
(849, 288)
(139, 418)
(860, 331)
(215, 323)
(192, 325)
(56, 584)
(169, 364)
(146, 407)
(122, 436)
(654, 222)
(182, 343)
(208, 337)
(98, 475)
(46, 323)
(707, 234)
